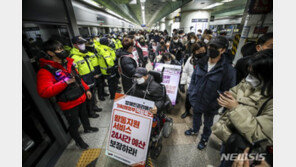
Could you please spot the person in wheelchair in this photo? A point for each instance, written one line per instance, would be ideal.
(147, 85)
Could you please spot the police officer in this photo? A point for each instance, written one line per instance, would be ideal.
(94, 60)
(58, 77)
(93, 46)
(118, 41)
(86, 70)
(107, 65)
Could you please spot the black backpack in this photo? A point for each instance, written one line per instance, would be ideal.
(73, 91)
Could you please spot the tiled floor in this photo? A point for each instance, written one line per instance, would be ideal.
(178, 150)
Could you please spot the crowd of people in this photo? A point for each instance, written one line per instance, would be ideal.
(76, 74)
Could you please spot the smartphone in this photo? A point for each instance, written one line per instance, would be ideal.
(220, 92)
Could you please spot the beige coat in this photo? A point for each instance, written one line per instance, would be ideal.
(244, 117)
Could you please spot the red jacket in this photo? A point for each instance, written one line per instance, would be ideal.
(48, 86)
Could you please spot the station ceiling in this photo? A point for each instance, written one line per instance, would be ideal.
(155, 10)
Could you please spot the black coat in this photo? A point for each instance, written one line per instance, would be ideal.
(151, 90)
(179, 49)
(204, 85)
(242, 69)
(128, 67)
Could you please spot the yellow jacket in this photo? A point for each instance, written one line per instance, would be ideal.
(106, 60)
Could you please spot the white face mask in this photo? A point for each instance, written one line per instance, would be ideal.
(206, 41)
(167, 62)
(192, 40)
(140, 81)
(175, 41)
(252, 80)
(81, 46)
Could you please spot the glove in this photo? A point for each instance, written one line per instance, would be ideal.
(182, 88)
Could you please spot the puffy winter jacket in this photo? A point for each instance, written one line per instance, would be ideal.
(127, 68)
(244, 117)
(179, 47)
(204, 85)
(187, 72)
(150, 90)
(48, 86)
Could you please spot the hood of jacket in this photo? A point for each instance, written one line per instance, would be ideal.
(43, 62)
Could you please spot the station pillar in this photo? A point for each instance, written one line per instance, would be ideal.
(194, 19)
(162, 24)
(168, 25)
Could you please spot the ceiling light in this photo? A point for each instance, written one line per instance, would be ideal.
(133, 2)
(213, 5)
(90, 2)
(226, 1)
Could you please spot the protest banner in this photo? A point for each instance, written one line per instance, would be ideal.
(130, 128)
(171, 78)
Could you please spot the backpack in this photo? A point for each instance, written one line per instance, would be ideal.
(74, 90)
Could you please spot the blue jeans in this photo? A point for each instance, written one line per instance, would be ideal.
(208, 122)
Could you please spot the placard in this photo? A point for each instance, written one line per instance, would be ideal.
(130, 128)
(171, 78)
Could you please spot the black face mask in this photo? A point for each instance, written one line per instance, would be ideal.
(213, 53)
(198, 56)
(162, 42)
(62, 55)
(90, 48)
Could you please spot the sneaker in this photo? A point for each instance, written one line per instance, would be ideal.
(190, 132)
(202, 144)
(185, 114)
(91, 130)
(94, 116)
(81, 144)
(97, 109)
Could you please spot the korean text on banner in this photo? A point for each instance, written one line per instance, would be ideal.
(130, 129)
(171, 78)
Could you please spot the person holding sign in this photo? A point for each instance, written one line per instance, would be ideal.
(212, 74)
(147, 88)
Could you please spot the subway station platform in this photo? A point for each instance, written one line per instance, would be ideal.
(178, 150)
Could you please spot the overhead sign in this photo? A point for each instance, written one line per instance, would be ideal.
(199, 20)
(199, 23)
(130, 128)
(171, 78)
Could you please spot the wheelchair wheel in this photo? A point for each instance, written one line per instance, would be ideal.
(155, 152)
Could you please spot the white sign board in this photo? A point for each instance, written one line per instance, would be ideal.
(171, 78)
(130, 128)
